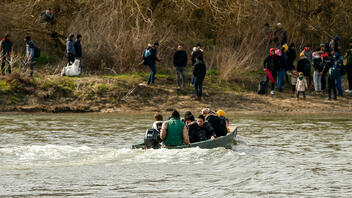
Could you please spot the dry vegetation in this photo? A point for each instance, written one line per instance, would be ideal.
(231, 31)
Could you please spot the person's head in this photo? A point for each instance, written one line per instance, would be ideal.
(199, 58)
(158, 117)
(156, 44)
(79, 37)
(71, 37)
(272, 51)
(307, 47)
(205, 112)
(278, 52)
(322, 47)
(300, 74)
(48, 11)
(150, 45)
(200, 120)
(188, 119)
(198, 46)
(332, 52)
(187, 113)
(302, 55)
(27, 38)
(221, 113)
(336, 38)
(175, 114)
(7, 37)
(285, 48)
(278, 25)
(292, 46)
(179, 48)
(267, 25)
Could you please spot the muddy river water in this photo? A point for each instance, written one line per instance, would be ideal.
(89, 155)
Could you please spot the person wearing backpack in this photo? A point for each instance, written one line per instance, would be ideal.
(349, 67)
(330, 70)
(7, 50)
(150, 58)
(317, 63)
(30, 54)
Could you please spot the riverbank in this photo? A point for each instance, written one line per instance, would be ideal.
(129, 93)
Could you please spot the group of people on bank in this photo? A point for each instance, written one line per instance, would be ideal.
(175, 132)
(180, 61)
(325, 63)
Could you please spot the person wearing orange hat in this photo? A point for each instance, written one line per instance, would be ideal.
(221, 114)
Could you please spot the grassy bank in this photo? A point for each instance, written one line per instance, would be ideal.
(129, 92)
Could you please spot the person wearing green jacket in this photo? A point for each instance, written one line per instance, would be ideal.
(174, 132)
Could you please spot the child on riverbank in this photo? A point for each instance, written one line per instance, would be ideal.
(301, 86)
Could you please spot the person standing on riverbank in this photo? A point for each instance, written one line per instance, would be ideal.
(280, 36)
(271, 63)
(199, 72)
(349, 67)
(174, 132)
(196, 52)
(29, 54)
(78, 50)
(6, 52)
(70, 49)
(331, 71)
(180, 62)
(151, 57)
(301, 86)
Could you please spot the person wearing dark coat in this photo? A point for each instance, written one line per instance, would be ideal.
(331, 80)
(200, 130)
(304, 66)
(199, 72)
(180, 62)
(217, 123)
(280, 36)
(349, 67)
(291, 57)
(151, 61)
(6, 49)
(78, 50)
(272, 63)
(70, 49)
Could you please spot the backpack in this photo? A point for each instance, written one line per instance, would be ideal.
(333, 72)
(36, 51)
(262, 88)
(145, 56)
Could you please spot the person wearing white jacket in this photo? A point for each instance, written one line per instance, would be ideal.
(301, 86)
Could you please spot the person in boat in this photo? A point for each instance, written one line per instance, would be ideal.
(188, 118)
(174, 132)
(158, 122)
(222, 115)
(200, 131)
(218, 124)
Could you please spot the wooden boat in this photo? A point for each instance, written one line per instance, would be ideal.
(223, 141)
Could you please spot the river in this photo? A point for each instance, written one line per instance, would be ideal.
(89, 155)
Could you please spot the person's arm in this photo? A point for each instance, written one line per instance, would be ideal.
(212, 132)
(163, 131)
(265, 63)
(185, 136)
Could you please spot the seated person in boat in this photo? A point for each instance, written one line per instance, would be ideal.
(221, 114)
(218, 123)
(188, 118)
(174, 132)
(200, 131)
(158, 121)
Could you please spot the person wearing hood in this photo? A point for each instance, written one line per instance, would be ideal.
(70, 49)
(199, 72)
(6, 52)
(349, 67)
(334, 44)
(304, 66)
(29, 54)
(180, 62)
(301, 86)
(78, 50)
(272, 63)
